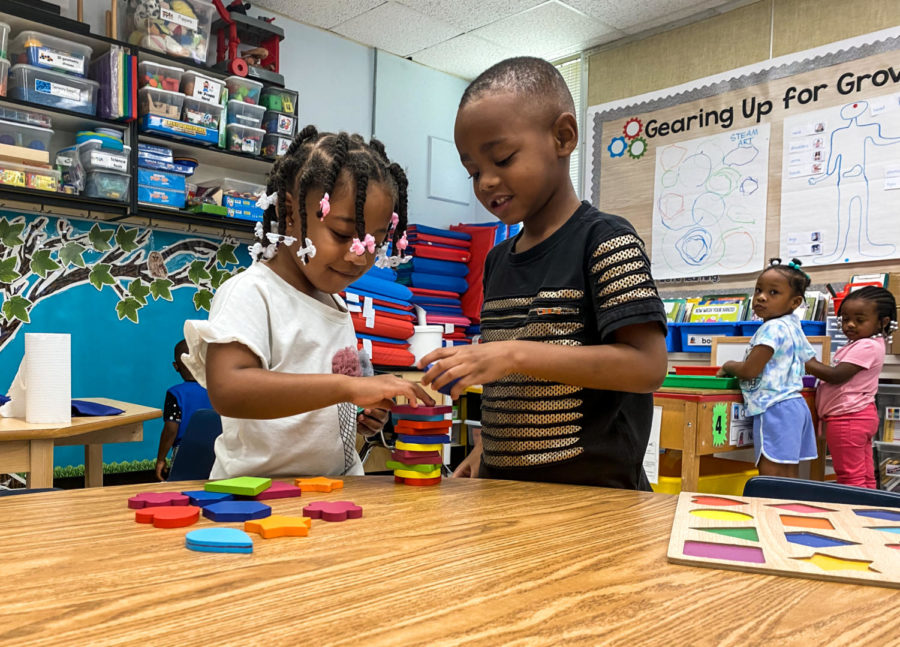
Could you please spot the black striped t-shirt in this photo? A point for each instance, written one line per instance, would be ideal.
(576, 288)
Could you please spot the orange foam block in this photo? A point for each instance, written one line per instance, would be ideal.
(279, 526)
(168, 516)
(318, 484)
(806, 522)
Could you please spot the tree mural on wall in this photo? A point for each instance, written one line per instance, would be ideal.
(39, 259)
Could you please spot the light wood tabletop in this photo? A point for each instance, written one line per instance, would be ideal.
(28, 447)
(469, 562)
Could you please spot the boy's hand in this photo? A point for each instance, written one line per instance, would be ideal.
(371, 421)
(162, 471)
(378, 392)
(469, 466)
(472, 365)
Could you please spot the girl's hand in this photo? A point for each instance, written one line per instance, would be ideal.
(379, 391)
(724, 369)
(469, 466)
(371, 421)
(472, 365)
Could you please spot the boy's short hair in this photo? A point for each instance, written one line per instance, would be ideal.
(180, 349)
(527, 76)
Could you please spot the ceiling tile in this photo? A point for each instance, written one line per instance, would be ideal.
(675, 16)
(469, 14)
(549, 30)
(626, 14)
(466, 55)
(397, 29)
(319, 13)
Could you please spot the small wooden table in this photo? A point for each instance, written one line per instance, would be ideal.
(27, 447)
(468, 562)
(687, 420)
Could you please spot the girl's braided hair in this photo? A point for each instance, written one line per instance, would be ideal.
(315, 160)
(885, 306)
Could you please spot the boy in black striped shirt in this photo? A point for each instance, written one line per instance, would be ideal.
(573, 325)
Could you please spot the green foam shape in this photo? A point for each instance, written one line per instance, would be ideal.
(243, 485)
(738, 533)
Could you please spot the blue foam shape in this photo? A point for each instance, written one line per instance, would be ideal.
(219, 540)
(814, 540)
(203, 498)
(444, 389)
(886, 515)
(424, 440)
(895, 529)
(236, 511)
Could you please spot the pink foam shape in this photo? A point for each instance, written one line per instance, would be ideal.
(155, 499)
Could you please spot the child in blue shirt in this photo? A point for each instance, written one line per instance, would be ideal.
(182, 400)
(772, 373)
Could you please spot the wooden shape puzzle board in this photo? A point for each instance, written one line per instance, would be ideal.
(822, 541)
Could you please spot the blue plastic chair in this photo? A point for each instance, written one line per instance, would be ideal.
(195, 456)
(773, 487)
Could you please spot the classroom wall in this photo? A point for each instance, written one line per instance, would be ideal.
(413, 103)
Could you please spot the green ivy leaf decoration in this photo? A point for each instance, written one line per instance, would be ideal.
(198, 273)
(8, 272)
(71, 254)
(218, 277)
(100, 238)
(42, 264)
(125, 239)
(139, 290)
(128, 308)
(10, 233)
(16, 308)
(100, 276)
(159, 289)
(202, 300)
(225, 255)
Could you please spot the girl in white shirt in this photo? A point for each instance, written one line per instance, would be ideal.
(278, 354)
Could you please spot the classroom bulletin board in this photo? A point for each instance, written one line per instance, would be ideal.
(802, 159)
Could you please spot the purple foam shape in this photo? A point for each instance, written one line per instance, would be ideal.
(724, 551)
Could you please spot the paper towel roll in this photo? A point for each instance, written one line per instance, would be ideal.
(48, 378)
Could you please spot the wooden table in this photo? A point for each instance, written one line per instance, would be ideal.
(27, 447)
(470, 562)
(687, 426)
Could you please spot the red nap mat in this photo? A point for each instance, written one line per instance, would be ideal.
(425, 292)
(382, 326)
(441, 240)
(389, 355)
(441, 253)
(482, 242)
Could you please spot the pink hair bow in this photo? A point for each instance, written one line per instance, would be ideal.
(325, 205)
(360, 247)
(402, 243)
(394, 220)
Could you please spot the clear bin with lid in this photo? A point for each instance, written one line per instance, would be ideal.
(275, 145)
(153, 101)
(53, 89)
(280, 123)
(279, 99)
(33, 137)
(28, 177)
(204, 88)
(243, 139)
(4, 37)
(4, 72)
(240, 88)
(26, 117)
(180, 28)
(201, 113)
(157, 75)
(245, 114)
(107, 184)
(94, 157)
(50, 52)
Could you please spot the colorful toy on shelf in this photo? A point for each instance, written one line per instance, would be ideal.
(51, 53)
(279, 100)
(258, 38)
(243, 89)
(178, 28)
(244, 139)
(162, 77)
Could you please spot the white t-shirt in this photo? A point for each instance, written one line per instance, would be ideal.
(290, 332)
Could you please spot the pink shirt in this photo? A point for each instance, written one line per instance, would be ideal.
(859, 391)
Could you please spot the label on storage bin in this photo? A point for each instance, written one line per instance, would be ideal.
(892, 413)
(53, 58)
(699, 340)
(741, 428)
(248, 145)
(178, 18)
(285, 125)
(63, 160)
(57, 89)
(283, 145)
(106, 160)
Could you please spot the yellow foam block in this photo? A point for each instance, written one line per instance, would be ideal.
(411, 474)
(416, 447)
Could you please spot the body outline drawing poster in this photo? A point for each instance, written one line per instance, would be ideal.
(709, 204)
(840, 197)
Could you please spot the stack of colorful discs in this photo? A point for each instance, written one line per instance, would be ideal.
(422, 433)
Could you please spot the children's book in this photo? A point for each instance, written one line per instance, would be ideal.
(720, 307)
(674, 310)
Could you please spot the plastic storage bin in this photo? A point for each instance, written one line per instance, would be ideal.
(26, 117)
(4, 38)
(181, 28)
(813, 328)
(275, 145)
(245, 114)
(107, 184)
(161, 197)
(280, 123)
(201, 113)
(53, 89)
(240, 88)
(239, 199)
(153, 101)
(697, 337)
(279, 99)
(4, 72)
(887, 466)
(244, 139)
(33, 137)
(887, 401)
(204, 88)
(161, 180)
(717, 475)
(673, 335)
(94, 157)
(30, 177)
(50, 52)
(157, 75)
